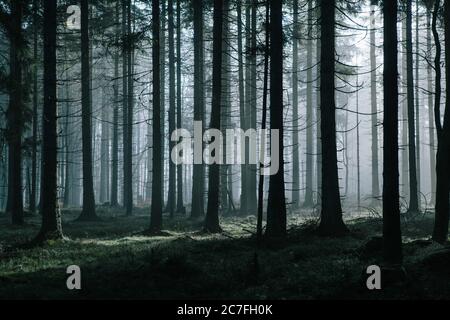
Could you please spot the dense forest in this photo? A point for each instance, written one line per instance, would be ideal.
(225, 148)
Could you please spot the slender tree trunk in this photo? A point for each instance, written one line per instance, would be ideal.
(156, 207)
(295, 141)
(276, 206)
(242, 104)
(125, 48)
(318, 112)
(331, 222)
(404, 146)
(211, 223)
(431, 127)
(392, 240)
(88, 212)
(358, 156)
(67, 201)
(128, 147)
(35, 111)
(374, 106)
(252, 169)
(417, 124)
(163, 91)
(115, 142)
(226, 109)
(309, 113)
(263, 128)
(180, 204)
(51, 217)
(104, 152)
(172, 116)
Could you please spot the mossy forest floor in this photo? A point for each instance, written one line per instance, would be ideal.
(118, 262)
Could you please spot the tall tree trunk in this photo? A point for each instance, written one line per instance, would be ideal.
(242, 104)
(309, 113)
(417, 124)
(226, 109)
(35, 111)
(211, 223)
(14, 116)
(128, 147)
(180, 204)
(295, 141)
(331, 222)
(404, 120)
(276, 206)
(263, 128)
(440, 231)
(88, 212)
(172, 120)
(431, 126)
(115, 142)
(251, 174)
(156, 207)
(163, 90)
(51, 217)
(198, 176)
(413, 194)
(358, 156)
(374, 105)
(392, 240)
(125, 48)
(318, 134)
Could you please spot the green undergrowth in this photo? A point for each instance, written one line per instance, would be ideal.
(118, 261)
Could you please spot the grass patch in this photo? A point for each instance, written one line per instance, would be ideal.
(119, 261)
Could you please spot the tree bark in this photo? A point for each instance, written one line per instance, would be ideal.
(392, 240)
(374, 106)
(413, 193)
(276, 206)
(51, 217)
(88, 212)
(331, 222)
(211, 223)
(198, 186)
(156, 206)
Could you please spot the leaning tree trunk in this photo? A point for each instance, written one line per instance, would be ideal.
(331, 222)
(392, 240)
(211, 223)
(440, 231)
(88, 212)
(276, 206)
(51, 217)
